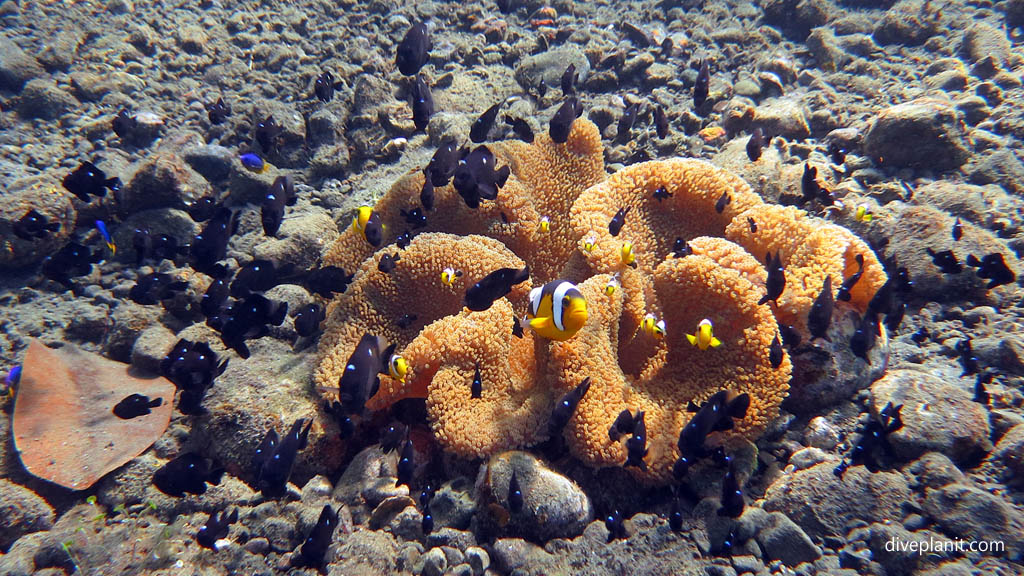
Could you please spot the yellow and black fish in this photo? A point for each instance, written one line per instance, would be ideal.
(367, 222)
(704, 338)
(557, 310)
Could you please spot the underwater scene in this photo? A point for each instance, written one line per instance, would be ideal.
(512, 287)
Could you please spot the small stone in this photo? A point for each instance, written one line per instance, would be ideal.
(318, 488)
(510, 554)
(16, 66)
(366, 468)
(150, 348)
(823, 504)
(744, 564)
(164, 180)
(548, 66)
(821, 434)
(937, 416)
(434, 562)
(939, 139)
(446, 536)
(934, 470)
(257, 546)
(895, 559)
(637, 64)
(783, 540)
(983, 40)
(300, 240)
(553, 505)
(907, 22)
(453, 504)
(192, 39)
(212, 161)
(478, 559)
(997, 167)
(42, 99)
(785, 117)
(974, 514)
(802, 459)
(22, 511)
(1008, 457)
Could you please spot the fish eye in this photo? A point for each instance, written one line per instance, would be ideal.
(565, 301)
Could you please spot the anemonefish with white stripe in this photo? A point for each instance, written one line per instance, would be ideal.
(704, 337)
(557, 310)
(398, 368)
(368, 224)
(653, 327)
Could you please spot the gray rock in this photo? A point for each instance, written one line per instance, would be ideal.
(907, 22)
(1008, 457)
(973, 514)
(823, 504)
(150, 348)
(895, 560)
(510, 554)
(434, 562)
(796, 18)
(163, 181)
(212, 161)
(366, 468)
(445, 536)
(366, 552)
(388, 509)
(250, 187)
(937, 416)
(783, 540)
(825, 48)
(786, 117)
(997, 167)
(937, 134)
(821, 434)
(16, 66)
(478, 559)
(407, 525)
(1014, 11)
(982, 40)
(453, 504)
(22, 511)
(173, 222)
(549, 67)
(802, 459)
(316, 490)
(553, 505)
(25, 194)
(934, 470)
(300, 240)
(41, 98)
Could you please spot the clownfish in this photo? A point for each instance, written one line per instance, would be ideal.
(627, 255)
(545, 224)
(398, 368)
(612, 285)
(367, 222)
(588, 244)
(704, 337)
(651, 326)
(557, 310)
(863, 214)
(449, 274)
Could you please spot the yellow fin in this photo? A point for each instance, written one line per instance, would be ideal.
(540, 322)
(715, 342)
(692, 339)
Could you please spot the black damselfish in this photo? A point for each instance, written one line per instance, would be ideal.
(307, 319)
(71, 261)
(946, 261)
(156, 287)
(135, 405)
(623, 424)
(481, 295)
(282, 193)
(275, 459)
(476, 389)
(88, 180)
(520, 127)
(218, 111)
(715, 415)
(422, 103)
(360, 380)
(328, 281)
(406, 465)
(216, 528)
(865, 336)
(414, 50)
(388, 262)
(482, 125)
(776, 283)
(33, 226)
(722, 202)
(755, 144)
(325, 86)
(392, 437)
(844, 290)
(414, 218)
(268, 134)
(618, 221)
(561, 123)
(157, 247)
(566, 407)
(427, 194)
(443, 163)
(993, 268)
(569, 79)
(732, 496)
(248, 319)
(820, 316)
(702, 85)
(775, 353)
(965, 353)
(477, 179)
(314, 549)
(660, 122)
(515, 495)
(256, 276)
(958, 230)
(661, 193)
(636, 445)
(202, 209)
(681, 248)
(192, 367)
(872, 435)
(615, 525)
(210, 246)
(188, 473)
(626, 122)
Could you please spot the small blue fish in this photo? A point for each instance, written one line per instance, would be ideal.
(11, 381)
(253, 162)
(102, 227)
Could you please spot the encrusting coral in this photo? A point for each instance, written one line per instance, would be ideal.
(721, 277)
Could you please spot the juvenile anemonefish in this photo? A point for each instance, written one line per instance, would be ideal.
(398, 368)
(863, 214)
(612, 285)
(704, 337)
(651, 326)
(367, 222)
(588, 244)
(557, 310)
(449, 274)
(545, 224)
(627, 255)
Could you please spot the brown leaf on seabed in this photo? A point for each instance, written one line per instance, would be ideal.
(64, 426)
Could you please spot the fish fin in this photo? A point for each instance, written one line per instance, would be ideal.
(502, 175)
(973, 261)
(215, 475)
(762, 300)
(692, 339)
(715, 342)
(540, 322)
